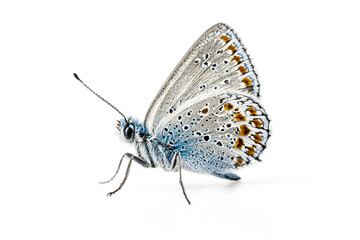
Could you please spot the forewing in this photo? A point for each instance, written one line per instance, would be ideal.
(216, 61)
(218, 133)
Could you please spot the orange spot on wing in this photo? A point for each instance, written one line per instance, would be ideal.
(247, 82)
(239, 143)
(236, 58)
(205, 110)
(239, 117)
(244, 130)
(225, 38)
(257, 122)
(251, 151)
(232, 48)
(239, 161)
(252, 110)
(257, 138)
(242, 69)
(228, 106)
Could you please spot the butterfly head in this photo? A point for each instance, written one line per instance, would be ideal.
(131, 130)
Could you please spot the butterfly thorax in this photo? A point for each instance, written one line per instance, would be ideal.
(149, 146)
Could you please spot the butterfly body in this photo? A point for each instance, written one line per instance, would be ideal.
(206, 118)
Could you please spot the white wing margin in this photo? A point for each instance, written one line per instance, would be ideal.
(216, 62)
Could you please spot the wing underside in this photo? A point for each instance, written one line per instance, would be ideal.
(208, 108)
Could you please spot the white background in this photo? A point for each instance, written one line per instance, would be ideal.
(58, 140)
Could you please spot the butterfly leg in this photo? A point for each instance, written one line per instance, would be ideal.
(117, 170)
(131, 158)
(129, 155)
(178, 163)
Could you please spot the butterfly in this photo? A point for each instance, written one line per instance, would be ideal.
(206, 118)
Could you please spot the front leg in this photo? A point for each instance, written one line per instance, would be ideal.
(131, 158)
(129, 155)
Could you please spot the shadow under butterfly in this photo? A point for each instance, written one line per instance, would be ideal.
(206, 117)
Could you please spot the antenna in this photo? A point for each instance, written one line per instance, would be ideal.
(76, 76)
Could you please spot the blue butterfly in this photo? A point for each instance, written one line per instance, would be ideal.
(206, 117)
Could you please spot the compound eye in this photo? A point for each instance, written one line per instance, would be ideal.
(129, 131)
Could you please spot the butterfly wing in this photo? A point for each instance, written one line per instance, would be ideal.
(208, 110)
(216, 61)
(217, 134)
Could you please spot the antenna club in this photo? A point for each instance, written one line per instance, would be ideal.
(76, 76)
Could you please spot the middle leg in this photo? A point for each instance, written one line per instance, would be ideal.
(178, 163)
